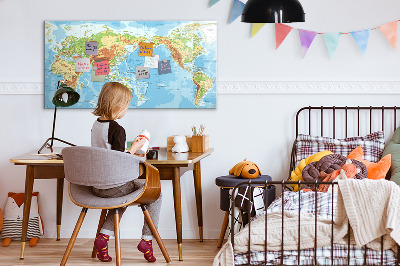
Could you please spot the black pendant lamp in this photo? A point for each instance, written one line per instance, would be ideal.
(273, 11)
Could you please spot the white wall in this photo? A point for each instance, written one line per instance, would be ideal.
(258, 127)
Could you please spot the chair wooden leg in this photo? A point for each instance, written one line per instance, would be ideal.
(73, 237)
(101, 222)
(223, 229)
(154, 230)
(117, 238)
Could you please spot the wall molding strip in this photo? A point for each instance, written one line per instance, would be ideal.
(259, 87)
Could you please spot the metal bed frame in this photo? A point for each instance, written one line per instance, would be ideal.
(284, 184)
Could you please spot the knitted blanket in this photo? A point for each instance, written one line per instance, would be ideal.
(274, 235)
(371, 207)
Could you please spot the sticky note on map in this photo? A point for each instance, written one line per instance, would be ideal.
(151, 61)
(92, 48)
(82, 65)
(145, 49)
(164, 67)
(99, 78)
(102, 67)
(142, 72)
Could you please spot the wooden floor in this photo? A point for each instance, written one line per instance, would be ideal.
(50, 252)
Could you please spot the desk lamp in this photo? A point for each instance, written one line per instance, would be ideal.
(63, 97)
(273, 11)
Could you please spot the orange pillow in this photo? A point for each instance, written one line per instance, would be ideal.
(375, 170)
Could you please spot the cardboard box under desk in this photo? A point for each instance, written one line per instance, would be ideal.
(195, 143)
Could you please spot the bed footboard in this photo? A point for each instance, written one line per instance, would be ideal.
(299, 256)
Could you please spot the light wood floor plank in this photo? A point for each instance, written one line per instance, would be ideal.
(50, 252)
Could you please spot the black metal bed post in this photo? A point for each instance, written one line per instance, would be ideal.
(322, 121)
(370, 120)
(283, 211)
(345, 113)
(249, 219)
(381, 250)
(266, 221)
(309, 120)
(358, 120)
(334, 119)
(315, 222)
(298, 239)
(333, 192)
(348, 242)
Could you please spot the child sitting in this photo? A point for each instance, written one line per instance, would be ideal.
(106, 133)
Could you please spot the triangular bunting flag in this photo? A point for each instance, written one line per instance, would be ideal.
(213, 2)
(332, 41)
(281, 31)
(255, 28)
(237, 9)
(306, 39)
(390, 32)
(361, 38)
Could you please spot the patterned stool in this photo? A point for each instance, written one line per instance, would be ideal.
(226, 183)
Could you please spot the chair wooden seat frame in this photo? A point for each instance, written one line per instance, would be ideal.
(150, 193)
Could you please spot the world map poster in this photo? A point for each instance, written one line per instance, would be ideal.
(166, 64)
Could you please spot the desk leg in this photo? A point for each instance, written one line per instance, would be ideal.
(199, 204)
(60, 190)
(176, 182)
(27, 206)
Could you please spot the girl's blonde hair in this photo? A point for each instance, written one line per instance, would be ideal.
(112, 99)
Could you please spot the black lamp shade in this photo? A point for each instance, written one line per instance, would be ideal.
(273, 11)
(65, 96)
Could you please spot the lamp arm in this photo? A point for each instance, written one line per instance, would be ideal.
(54, 125)
(51, 140)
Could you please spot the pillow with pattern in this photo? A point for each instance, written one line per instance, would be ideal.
(372, 145)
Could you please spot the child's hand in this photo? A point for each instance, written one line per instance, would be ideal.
(142, 155)
(137, 144)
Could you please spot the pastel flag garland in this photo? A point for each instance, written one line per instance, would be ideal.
(332, 41)
(306, 39)
(256, 27)
(389, 30)
(361, 37)
(281, 31)
(213, 2)
(237, 8)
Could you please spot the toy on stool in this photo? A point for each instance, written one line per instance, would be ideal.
(13, 215)
(245, 169)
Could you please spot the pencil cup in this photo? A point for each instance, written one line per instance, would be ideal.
(200, 143)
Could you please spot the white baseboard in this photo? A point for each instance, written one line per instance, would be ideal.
(259, 87)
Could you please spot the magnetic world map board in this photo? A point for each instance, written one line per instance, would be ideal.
(166, 64)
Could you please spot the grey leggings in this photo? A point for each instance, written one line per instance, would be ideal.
(154, 208)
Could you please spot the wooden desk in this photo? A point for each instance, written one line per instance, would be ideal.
(169, 165)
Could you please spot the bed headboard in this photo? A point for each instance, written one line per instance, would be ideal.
(344, 121)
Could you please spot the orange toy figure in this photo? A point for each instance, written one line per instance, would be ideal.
(245, 169)
(347, 170)
(13, 214)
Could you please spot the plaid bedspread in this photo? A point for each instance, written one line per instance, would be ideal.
(321, 205)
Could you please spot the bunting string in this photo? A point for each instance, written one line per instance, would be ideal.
(361, 37)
